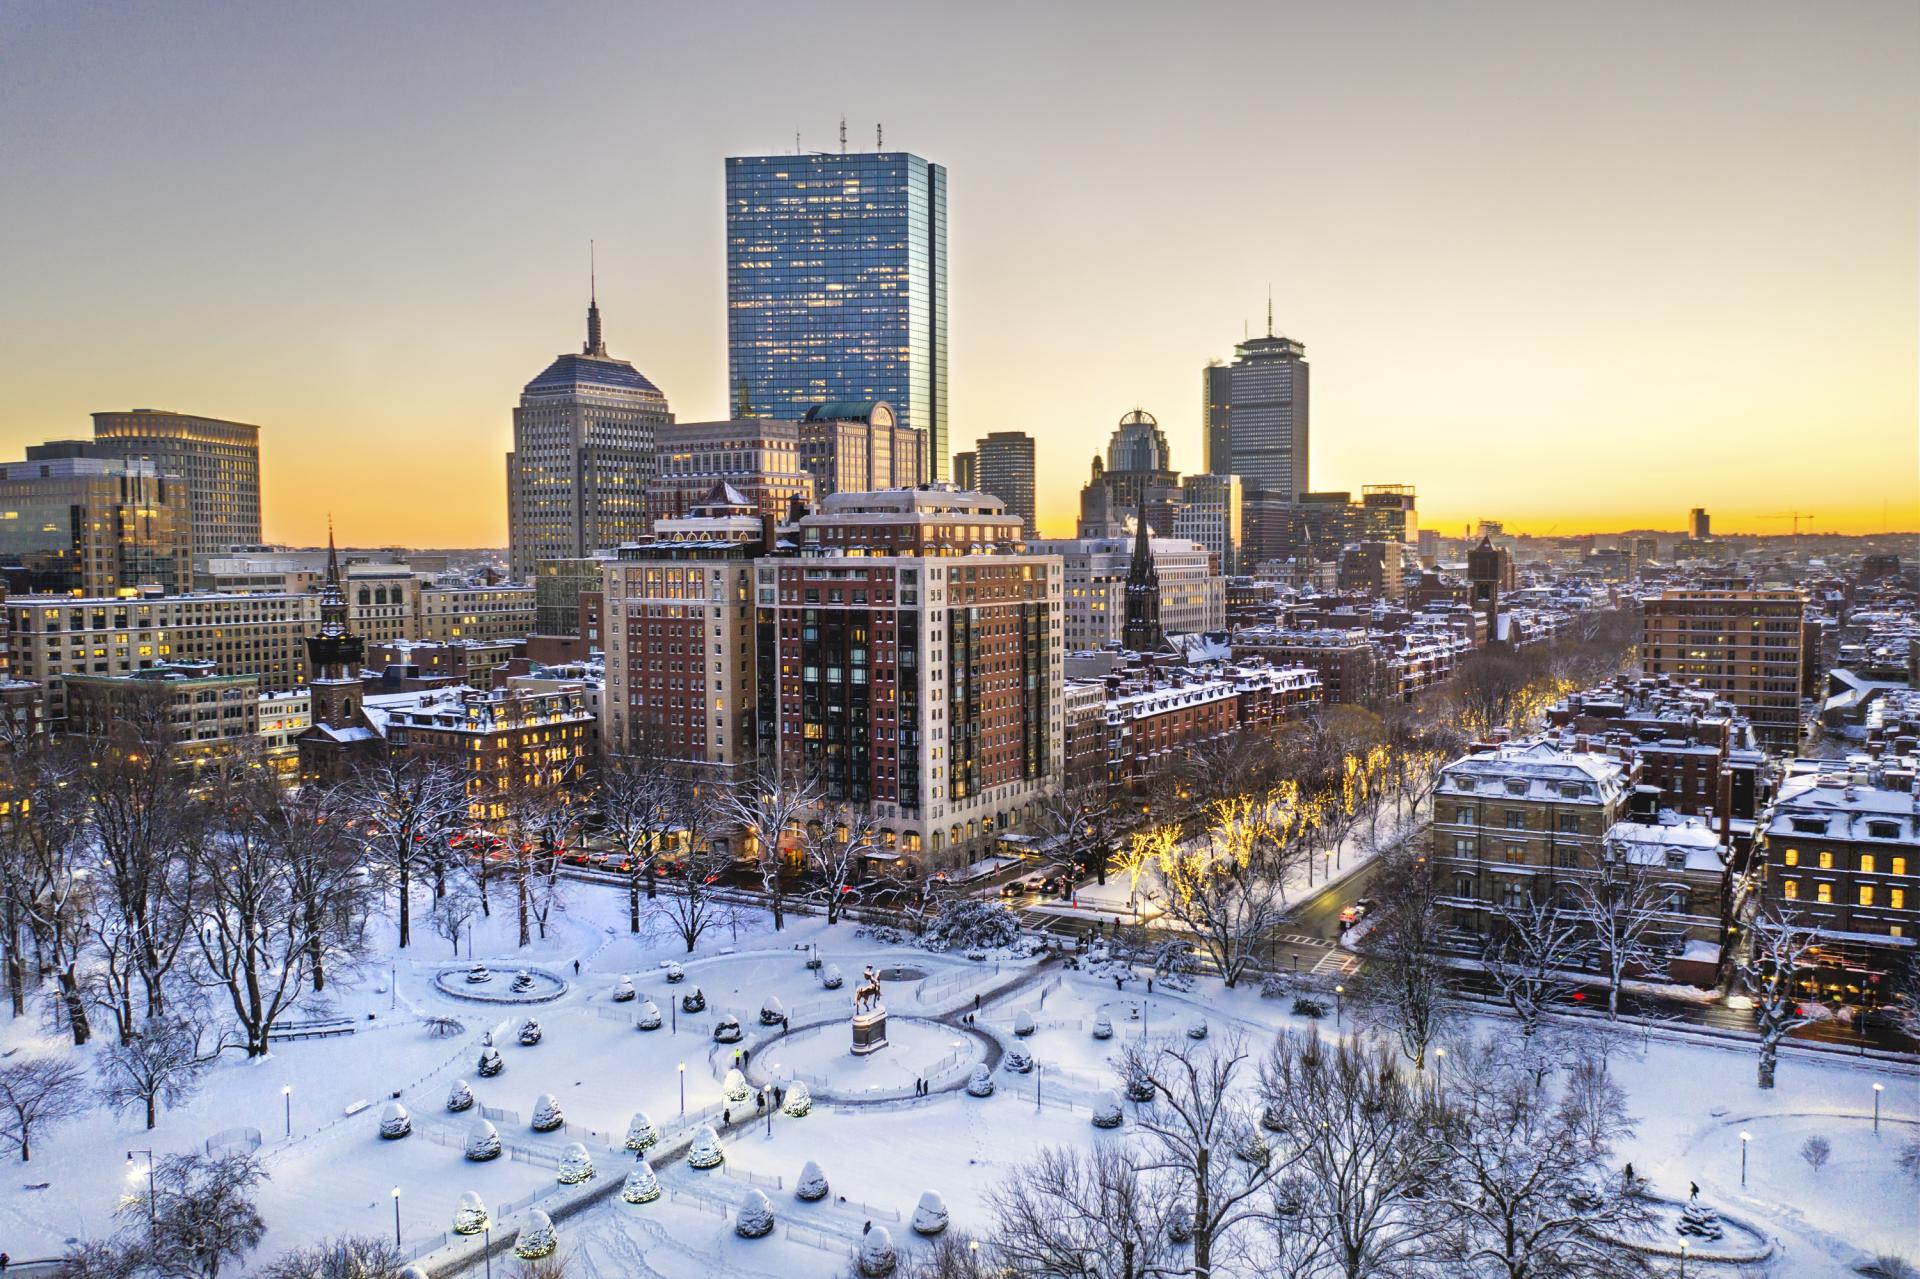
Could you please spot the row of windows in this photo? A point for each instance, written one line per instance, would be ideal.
(1865, 895)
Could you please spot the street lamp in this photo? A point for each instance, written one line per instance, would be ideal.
(766, 1095)
(150, 1191)
(1683, 1259)
(683, 1090)
(1745, 1137)
(1439, 1063)
(1337, 992)
(1877, 1090)
(396, 1216)
(486, 1247)
(286, 1095)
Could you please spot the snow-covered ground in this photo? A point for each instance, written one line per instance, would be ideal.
(1692, 1100)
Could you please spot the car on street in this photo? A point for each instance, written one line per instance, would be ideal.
(1356, 912)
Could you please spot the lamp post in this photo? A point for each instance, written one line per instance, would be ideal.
(150, 1191)
(683, 1090)
(1745, 1137)
(1877, 1090)
(1439, 1062)
(486, 1247)
(673, 1010)
(766, 1095)
(286, 1095)
(396, 1216)
(1683, 1259)
(1337, 992)
(1036, 1087)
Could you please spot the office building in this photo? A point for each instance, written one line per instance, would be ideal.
(966, 472)
(1746, 645)
(1699, 525)
(837, 287)
(756, 456)
(220, 462)
(1216, 416)
(566, 598)
(90, 525)
(858, 447)
(1137, 468)
(208, 715)
(583, 452)
(1268, 414)
(1193, 596)
(1211, 511)
(1006, 471)
(1388, 513)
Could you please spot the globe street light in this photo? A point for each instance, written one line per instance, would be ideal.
(1877, 1090)
(683, 1090)
(286, 1095)
(1337, 992)
(1745, 1137)
(396, 1216)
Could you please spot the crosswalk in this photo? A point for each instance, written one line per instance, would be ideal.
(1337, 962)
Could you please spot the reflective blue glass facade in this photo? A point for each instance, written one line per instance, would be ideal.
(837, 286)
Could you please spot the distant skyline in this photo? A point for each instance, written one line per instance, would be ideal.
(1575, 270)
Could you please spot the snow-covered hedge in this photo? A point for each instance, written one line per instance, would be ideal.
(537, 1238)
(706, 1150)
(641, 1134)
(727, 1030)
(483, 1142)
(930, 1215)
(734, 1087)
(1018, 1060)
(490, 1063)
(877, 1258)
(981, 1084)
(546, 1113)
(1103, 1027)
(675, 973)
(799, 1100)
(831, 979)
(623, 990)
(812, 1185)
(970, 924)
(1106, 1112)
(772, 1012)
(641, 1185)
(754, 1218)
(459, 1097)
(529, 1032)
(470, 1214)
(395, 1123)
(648, 1017)
(576, 1165)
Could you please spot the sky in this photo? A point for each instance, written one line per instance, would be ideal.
(1577, 268)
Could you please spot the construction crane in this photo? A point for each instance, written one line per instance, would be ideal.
(1795, 516)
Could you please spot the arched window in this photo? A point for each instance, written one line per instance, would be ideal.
(363, 596)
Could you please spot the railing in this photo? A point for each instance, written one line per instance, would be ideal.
(229, 1139)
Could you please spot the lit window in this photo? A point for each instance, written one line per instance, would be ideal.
(1823, 893)
(1866, 894)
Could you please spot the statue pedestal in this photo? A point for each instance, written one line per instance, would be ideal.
(869, 1031)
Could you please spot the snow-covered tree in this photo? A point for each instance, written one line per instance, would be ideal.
(1092, 1214)
(970, 923)
(348, 1257)
(1697, 1221)
(694, 905)
(641, 1185)
(623, 991)
(1781, 950)
(161, 1063)
(641, 1134)
(734, 1085)
(404, 807)
(491, 1062)
(877, 1258)
(35, 1094)
(452, 911)
(470, 1214)
(835, 847)
(203, 1214)
(537, 1238)
(547, 1115)
(576, 1165)
(1227, 902)
(930, 1214)
(459, 1097)
(1620, 906)
(1405, 990)
(812, 1185)
(530, 1033)
(706, 1150)
(754, 1218)
(639, 801)
(1816, 1150)
(1106, 1111)
(53, 899)
(799, 1100)
(1533, 950)
(648, 1016)
(766, 810)
(980, 1083)
(483, 1142)
(395, 1123)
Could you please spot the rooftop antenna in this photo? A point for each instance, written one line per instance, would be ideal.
(879, 138)
(843, 135)
(1269, 308)
(796, 142)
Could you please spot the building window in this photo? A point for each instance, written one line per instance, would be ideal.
(1464, 816)
(1826, 861)
(1791, 857)
(1790, 889)
(1866, 894)
(1823, 892)
(1899, 865)
(1569, 823)
(1516, 820)
(1897, 898)
(1866, 866)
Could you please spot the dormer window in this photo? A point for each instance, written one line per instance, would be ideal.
(1464, 783)
(1884, 830)
(1810, 825)
(1516, 786)
(1676, 860)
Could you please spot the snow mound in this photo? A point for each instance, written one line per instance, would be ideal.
(812, 1185)
(930, 1215)
(483, 1142)
(754, 1218)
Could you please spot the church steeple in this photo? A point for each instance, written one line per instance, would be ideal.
(1142, 632)
(333, 596)
(334, 654)
(595, 344)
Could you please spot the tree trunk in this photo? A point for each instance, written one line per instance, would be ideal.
(633, 904)
(152, 1118)
(76, 1010)
(316, 950)
(652, 886)
(1202, 1215)
(526, 933)
(406, 904)
(1769, 1056)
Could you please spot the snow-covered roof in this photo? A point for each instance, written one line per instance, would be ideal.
(1659, 843)
(1538, 770)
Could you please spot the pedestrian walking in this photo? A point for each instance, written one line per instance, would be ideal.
(745, 1055)
(576, 968)
(1149, 985)
(726, 1116)
(759, 1102)
(1116, 983)
(976, 1003)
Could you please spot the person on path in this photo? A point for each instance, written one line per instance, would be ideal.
(576, 968)
(745, 1053)
(1149, 985)
(759, 1102)
(726, 1116)
(1116, 983)
(976, 1003)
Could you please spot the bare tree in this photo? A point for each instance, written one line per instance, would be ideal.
(1228, 901)
(1367, 1155)
(326, 876)
(692, 903)
(1201, 1133)
(452, 912)
(160, 1064)
(1531, 957)
(402, 808)
(836, 847)
(1528, 1189)
(1619, 907)
(1404, 989)
(203, 1213)
(348, 1257)
(765, 808)
(636, 799)
(1084, 827)
(45, 818)
(103, 1259)
(36, 1093)
(1780, 952)
(1091, 1215)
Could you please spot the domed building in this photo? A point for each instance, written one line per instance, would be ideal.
(1138, 468)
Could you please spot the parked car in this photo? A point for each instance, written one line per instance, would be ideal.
(1356, 912)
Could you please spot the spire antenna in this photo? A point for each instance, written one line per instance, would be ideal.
(879, 138)
(1269, 308)
(596, 344)
(843, 135)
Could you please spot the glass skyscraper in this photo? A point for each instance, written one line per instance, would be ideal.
(837, 287)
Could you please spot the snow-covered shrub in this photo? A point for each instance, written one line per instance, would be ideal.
(813, 959)
(522, 982)
(394, 1121)
(546, 1113)
(641, 1134)
(930, 1215)
(1273, 986)
(459, 1097)
(490, 1063)
(771, 1011)
(536, 1239)
(440, 1026)
(799, 1100)
(727, 1030)
(706, 1151)
(1174, 965)
(623, 990)
(877, 1258)
(641, 1186)
(970, 924)
(1308, 1006)
(647, 1017)
(410, 1272)
(1816, 1150)
(812, 1185)
(1698, 1221)
(981, 1083)
(831, 979)
(1197, 1028)
(483, 1143)
(735, 1087)
(529, 1033)
(1252, 1147)
(1106, 1111)
(675, 973)
(1023, 1023)
(477, 974)
(885, 934)
(469, 1214)
(576, 1165)
(693, 1001)
(754, 1218)
(1136, 1079)
(1103, 1027)
(1018, 1060)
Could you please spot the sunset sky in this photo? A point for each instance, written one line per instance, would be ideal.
(1574, 267)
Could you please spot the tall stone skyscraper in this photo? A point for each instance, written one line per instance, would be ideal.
(582, 456)
(220, 462)
(1267, 415)
(1216, 407)
(1005, 462)
(837, 287)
